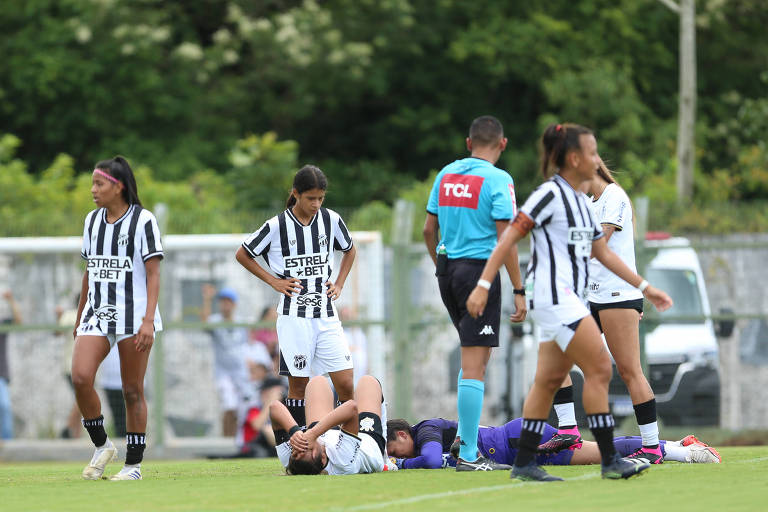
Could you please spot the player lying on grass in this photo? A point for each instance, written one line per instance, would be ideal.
(428, 445)
(342, 441)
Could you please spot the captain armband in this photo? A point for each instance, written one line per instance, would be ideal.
(523, 223)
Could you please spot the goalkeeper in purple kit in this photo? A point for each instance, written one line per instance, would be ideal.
(430, 444)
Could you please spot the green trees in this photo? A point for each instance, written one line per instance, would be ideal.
(376, 92)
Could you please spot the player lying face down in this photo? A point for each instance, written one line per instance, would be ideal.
(342, 441)
(428, 444)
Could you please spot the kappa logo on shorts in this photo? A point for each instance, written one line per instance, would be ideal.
(300, 361)
(366, 424)
(486, 330)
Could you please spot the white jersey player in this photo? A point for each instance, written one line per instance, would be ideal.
(617, 307)
(298, 247)
(347, 440)
(118, 305)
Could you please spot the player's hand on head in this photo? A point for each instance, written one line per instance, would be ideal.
(521, 309)
(658, 298)
(334, 291)
(289, 287)
(299, 442)
(477, 301)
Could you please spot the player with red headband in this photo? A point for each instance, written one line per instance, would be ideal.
(118, 305)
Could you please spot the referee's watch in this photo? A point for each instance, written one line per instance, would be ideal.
(519, 291)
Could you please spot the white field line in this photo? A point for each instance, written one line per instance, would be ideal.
(476, 490)
(461, 492)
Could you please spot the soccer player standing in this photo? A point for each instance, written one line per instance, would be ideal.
(470, 204)
(617, 306)
(298, 246)
(118, 305)
(564, 235)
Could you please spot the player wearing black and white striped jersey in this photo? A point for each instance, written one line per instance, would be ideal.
(298, 247)
(564, 235)
(118, 305)
(115, 253)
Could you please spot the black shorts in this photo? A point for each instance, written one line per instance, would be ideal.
(370, 424)
(596, 307)
(460, 279)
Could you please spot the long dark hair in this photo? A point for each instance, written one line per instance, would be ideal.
(309, 177)
(312, 466)
(119, 169)
(556, 141)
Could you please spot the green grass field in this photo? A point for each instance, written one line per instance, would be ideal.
(739, 483)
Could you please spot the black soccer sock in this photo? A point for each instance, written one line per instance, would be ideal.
(601, 426)
(530, 437)
(296, 408)
(95, 428)
(564, 397)
(646, 416)
(134, 449)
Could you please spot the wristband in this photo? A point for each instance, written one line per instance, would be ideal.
(643, 285)
(482, 283)
(293, 430)
(519, 291)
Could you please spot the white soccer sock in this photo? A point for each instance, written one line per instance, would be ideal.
(673, 451)
(566, 414)
(650, 433)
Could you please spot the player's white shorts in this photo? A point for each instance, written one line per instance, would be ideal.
(370, 454)
(311, 346)
(555, 322)
(93, 330)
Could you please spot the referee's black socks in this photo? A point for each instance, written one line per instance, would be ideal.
(296, 408)
(530, 437)
(601, 426)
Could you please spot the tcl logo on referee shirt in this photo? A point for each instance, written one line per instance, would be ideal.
(462, 190)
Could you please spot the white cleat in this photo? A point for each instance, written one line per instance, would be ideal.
(702, 454)
(128, 473)
(101, 457)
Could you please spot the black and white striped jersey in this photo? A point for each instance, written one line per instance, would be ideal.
(117, 280)
(293, 250)
(561, 242)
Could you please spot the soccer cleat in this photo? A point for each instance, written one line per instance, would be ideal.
(455, 447)
(128, 473)
(624, 468)
(101, 457)
(532, 472)
(481, 464)
(564, 440)
(700, 452)
(649, 455)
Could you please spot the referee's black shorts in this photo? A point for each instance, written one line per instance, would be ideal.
(595, 308)
(456, 284)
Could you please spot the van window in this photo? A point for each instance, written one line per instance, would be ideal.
(683, 287)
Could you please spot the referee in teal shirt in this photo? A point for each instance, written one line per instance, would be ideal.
(471, 203)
